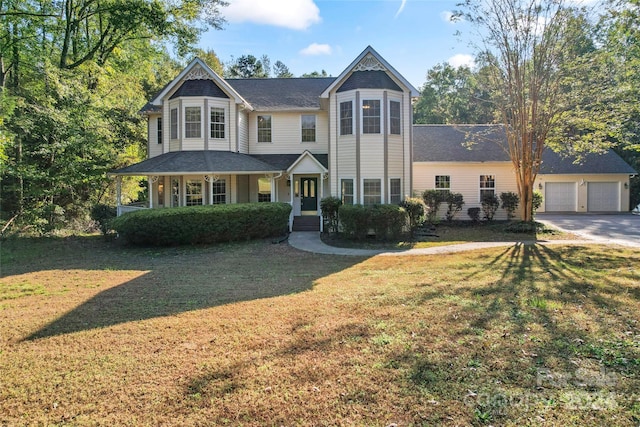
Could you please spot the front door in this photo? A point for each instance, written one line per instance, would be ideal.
(309, 194)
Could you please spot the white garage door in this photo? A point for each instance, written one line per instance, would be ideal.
(560, 197)
(603, 197)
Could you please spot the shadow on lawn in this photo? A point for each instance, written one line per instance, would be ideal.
(185, 279)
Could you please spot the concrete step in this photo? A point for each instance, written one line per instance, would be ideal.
(306, 223)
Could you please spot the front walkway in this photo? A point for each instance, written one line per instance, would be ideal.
(309, 241)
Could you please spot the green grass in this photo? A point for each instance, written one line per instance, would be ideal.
(256, 334)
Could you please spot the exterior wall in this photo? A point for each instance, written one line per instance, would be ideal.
(370, 156)
(286, 134)
(243, 131)
(465, 179)
(154, 148)
(582, 185)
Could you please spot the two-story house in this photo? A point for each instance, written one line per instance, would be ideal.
(294, 140)
(297, 140)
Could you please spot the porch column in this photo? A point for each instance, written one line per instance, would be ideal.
(292, 190)
(273, 189)
(150, 180)
(118, 194)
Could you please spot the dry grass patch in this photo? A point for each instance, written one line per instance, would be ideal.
(259, 334)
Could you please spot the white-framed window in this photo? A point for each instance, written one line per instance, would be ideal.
(219, 192)
(193, 192)
(159, 130)
(346, 191)
(308, 127)
(264, 190)
(264, 128)
(443, 183)
(395, 127)
(371, 192)
(217, 123)
(174, 123)
(371, 115)
(395, 191)
(175, 192)
(346, 118)
(192, 122)
(487, 186)
(161, 192)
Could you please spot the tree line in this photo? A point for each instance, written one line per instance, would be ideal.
(74, 74)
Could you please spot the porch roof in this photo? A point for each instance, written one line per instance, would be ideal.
(199, 162)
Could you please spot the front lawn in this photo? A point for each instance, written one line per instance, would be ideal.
(253, 334)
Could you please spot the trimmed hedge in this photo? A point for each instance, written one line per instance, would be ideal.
(203, 224)
(387, 221)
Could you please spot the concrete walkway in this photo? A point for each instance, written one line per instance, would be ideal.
(309, 241)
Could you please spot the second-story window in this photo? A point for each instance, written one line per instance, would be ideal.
(308, 128)
(394, 118)
(159, 130)
(174, 123)
(346, 118)
(371, 116)
(217, 123)
(192, 122)
(264, 128)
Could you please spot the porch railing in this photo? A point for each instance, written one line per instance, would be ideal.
(122, 209)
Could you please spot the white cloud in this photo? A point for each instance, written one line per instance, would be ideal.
(404, 3)
(294, 14)
(316, 49)
(461, 59)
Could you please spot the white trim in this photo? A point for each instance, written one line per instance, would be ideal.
(389, 189)
(391, 99)
(369, 51)
(353, 184)
(258, 130)
(186, 105)
(219, 81)
(353, 118)
(307, 153)
(315, 129)
(382, 118)
(382, 189)
(225, 111)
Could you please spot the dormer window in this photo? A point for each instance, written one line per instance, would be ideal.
(371, 116)
(192, 122)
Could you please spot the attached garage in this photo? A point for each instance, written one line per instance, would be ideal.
(560, 197)
(603, 197)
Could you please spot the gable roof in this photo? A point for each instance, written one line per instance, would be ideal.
(302, 93)
(375, 79)
(208, 74)
(200, 87)
(448, 143)
(373, 56)
(285, 161)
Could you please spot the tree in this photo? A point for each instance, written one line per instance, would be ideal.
(322, 73)
(246, 67)
(211, 59)
(529, 47)
(281, 71)
(453, 96)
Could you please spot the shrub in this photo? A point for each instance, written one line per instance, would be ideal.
(536, 201)
(474, 214)
(355, 221)
(387, 221)
(455, 201)
(203, 224)
(415, 209)
(433, 199)
(103, 214)
(490, 204)
(329, 207)
(510, 202)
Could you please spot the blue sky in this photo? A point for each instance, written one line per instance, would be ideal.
(311, 35)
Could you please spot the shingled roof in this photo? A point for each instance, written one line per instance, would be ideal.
(203, 161)
(282, 94)
(477, 143)
(198, 162)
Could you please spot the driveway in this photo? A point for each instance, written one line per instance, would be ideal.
(623, 229)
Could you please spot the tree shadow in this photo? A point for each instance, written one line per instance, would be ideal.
(178, 280)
